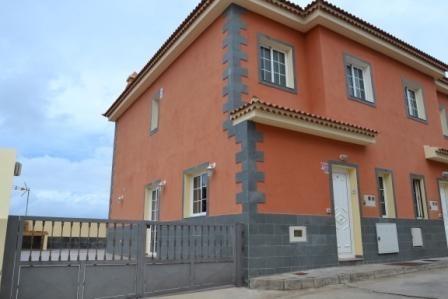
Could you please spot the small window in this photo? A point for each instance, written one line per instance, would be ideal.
(154, 115)
(386, 200)
(414, 102)
(155, 110)
(444, 121)
(196, 191)
(418, 193)
(199, 194)
(359, 79)
(276, 63)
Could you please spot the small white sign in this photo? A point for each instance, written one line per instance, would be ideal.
(434, 205)
(369, 201)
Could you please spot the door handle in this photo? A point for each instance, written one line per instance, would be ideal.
(379, 239)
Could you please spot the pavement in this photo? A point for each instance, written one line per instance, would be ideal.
(317, 278)
(429, 284)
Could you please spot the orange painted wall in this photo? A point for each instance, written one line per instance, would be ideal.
(190, 133)
(294, 183)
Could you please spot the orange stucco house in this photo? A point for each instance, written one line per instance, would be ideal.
(323, 134)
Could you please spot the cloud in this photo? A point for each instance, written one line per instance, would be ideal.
(61, 187)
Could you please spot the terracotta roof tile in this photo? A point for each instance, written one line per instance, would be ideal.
(442, 151)
(256, 103)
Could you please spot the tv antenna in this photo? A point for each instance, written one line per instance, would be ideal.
(25, 190)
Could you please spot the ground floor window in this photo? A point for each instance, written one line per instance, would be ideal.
(386, 200)
(418, 190)
(196, 190)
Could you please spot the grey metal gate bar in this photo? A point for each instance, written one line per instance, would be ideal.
(90, 258)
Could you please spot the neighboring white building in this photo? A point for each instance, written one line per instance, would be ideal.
(7, 167)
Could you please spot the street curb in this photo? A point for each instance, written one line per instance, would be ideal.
(290, 281)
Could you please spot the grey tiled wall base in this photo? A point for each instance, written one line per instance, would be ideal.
(270, 251)
(434, 240)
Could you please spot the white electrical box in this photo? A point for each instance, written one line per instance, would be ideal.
(387, 238)
(369, 200)
(417, 238)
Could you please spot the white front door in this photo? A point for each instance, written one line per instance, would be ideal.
(444, 200)
(343, 215)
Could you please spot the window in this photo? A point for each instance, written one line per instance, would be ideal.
(154, 115)
(276, 63)
(418, 191)
(196, 190)
(273, 66)
(386, 200)
(155, 198)
(414, 101)
(359, 79)
(199, 196)
(155, 110)
(444, 121)
(152, 208)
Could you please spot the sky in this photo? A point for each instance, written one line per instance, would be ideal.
(62, 63)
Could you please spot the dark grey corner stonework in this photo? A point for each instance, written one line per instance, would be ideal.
(234, 54)
(433, 233)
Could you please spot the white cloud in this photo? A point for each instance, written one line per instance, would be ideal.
(60, 187)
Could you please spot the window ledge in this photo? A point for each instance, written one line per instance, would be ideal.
(284, 88)
(418, 119)
(303, 122)
(437, 154)
(365, 102)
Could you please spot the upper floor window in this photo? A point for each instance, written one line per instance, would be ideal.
(414, 101)
(155, 110)
(359, 80)
(276, 63)
(444, 121)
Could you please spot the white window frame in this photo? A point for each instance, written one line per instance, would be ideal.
(389, 194)
(444, 121)
(287, 50)
(200, 189)
(155, 112)
(420, 104)
(152, 208)
(366, 69)
(421, 212)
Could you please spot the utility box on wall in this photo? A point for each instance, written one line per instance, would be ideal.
(387, 238)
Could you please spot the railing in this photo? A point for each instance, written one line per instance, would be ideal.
(68, 240)
(178, 242)
(61, 240)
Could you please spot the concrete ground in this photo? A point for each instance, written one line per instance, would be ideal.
(427, 284)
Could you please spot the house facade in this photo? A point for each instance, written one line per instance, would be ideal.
(321, 133)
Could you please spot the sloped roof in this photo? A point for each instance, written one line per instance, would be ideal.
(290, 7)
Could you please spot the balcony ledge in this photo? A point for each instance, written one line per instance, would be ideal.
(437, 154)
(300, 121)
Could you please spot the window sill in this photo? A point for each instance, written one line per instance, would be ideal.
(365, 102)
(284, 88)
(197, 215)
(417, 119)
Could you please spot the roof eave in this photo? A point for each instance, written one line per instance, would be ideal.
(293, 17)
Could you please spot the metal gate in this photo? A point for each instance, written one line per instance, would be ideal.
(89, 258)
